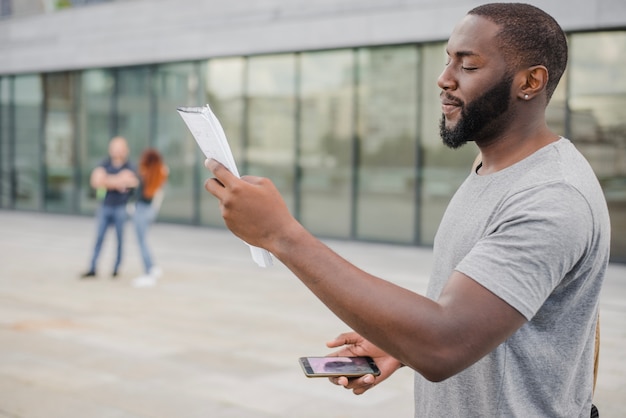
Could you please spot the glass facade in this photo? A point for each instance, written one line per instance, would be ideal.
(59, 142)
(325, 136)
(28, 167)
(6, 152)
(95, 128)
(176, 85)
(270, 120)
(386, 153)
(132, 106)
(349, 136)
(597, 118)
(224, 89)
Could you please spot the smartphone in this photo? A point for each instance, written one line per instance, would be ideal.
(338, 366)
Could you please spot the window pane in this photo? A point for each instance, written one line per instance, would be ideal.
(133, 108)
(224, 93)
(387, 153)
(5, 160)
(557, 108)
(59, 140)
(325, 158)
(443, 169)
(270, 124)
(94, 115)
(177, 85)
(28, 99)
(598, 118)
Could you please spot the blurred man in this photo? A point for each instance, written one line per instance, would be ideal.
(118, 177)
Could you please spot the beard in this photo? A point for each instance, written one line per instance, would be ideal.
(482, 119)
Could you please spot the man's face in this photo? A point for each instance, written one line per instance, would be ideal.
(476, 85)
(118, 151)
(482, 118)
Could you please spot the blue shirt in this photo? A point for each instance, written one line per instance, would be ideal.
(114, 197)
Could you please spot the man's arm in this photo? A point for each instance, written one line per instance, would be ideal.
(98, 178)
(436, 338)
(123, 180)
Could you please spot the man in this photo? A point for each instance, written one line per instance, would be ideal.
(117, 176)
(508, 326)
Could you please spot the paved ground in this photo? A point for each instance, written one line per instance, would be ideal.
(217, 337)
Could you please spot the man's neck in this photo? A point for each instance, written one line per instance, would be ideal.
(512, 148)
(117, 162)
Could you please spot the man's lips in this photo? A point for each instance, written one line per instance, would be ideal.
(449, 104)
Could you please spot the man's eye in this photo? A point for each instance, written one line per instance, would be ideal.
(467, 68)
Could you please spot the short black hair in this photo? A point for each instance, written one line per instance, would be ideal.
(528, 36)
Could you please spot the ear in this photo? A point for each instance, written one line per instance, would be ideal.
(532, 82)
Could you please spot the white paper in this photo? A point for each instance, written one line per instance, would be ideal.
(208, 133)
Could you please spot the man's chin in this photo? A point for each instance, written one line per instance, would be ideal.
(452, 141)
(456, 145)
(448, 134)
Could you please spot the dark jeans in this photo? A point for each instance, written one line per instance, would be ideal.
(107, 216)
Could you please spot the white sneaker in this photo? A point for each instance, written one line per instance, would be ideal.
(144, 281)
(156, 272)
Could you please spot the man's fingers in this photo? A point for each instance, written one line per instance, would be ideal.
(357, 385)
(220, 172)
(214, 186)
(347, 338)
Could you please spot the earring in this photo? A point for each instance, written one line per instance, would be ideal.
(526, 96)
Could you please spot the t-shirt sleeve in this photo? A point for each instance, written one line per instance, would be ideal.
(533, 240)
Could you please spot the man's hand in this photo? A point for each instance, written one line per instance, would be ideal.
(352, 344)
(251, 206)
(125, 180)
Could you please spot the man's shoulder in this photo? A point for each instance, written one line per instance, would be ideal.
(560, 161)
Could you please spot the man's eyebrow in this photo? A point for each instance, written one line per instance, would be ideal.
(461, 54)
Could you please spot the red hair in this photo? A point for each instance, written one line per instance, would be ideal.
(153, 171)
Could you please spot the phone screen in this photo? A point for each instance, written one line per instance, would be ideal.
(338, 366)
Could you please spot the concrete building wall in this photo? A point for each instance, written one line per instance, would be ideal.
(152, 31)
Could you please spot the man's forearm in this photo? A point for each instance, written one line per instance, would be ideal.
(121, 181)
(395, 319)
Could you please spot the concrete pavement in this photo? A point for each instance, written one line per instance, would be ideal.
(217, 337)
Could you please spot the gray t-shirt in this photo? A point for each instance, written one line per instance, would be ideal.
(537, 235)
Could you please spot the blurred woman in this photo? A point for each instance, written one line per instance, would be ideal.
(153, 174)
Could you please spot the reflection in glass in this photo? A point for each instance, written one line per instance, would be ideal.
(325, 136)
(94, 117)
(224, 93)
(133, 111)
(28, 168)
(350, 137)
(270, 123)
(176, 85)
(387, 127)
(598, 118)
(5, 148)
(556, 112)
(59, 139)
